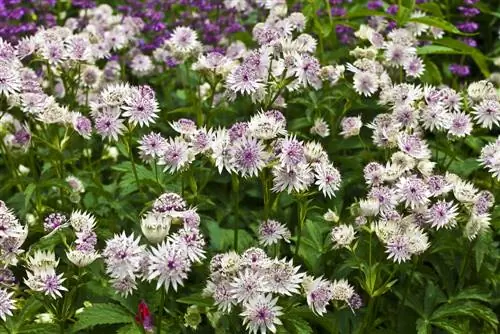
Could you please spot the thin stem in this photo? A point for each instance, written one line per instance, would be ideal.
(162, 306)
(461, 275)
(156, 172)
(131, 157)
(236, 193)
(408, 284)
(265, 190)
(302, 212)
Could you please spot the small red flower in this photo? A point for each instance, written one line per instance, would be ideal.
(143, 316)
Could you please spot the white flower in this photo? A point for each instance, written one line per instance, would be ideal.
(81, 258)
(342, 236)
(169, 264)
(82, 221)
(261, 313)
(271, 231)
(247, 285)
(123, 256)
(6, 304)
(320, 128)
(155, 226)
(365, 83)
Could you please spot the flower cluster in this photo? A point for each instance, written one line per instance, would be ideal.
(170, 261)
(12, 236)
(281, 61)
(42, 276)
(215, 20)
(255, 282)
(246, 148)
(83, 251)
(20, 18)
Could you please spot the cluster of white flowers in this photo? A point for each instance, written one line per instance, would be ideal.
(170, 261)
(255, 282)
(246, 148)
(83, 251)
(406, 197)
(42, 276)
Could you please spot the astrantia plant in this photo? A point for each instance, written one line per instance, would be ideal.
(249, 166)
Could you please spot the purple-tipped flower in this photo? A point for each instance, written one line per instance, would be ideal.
(53, 221)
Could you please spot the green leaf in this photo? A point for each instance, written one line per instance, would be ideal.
(466, 309)
(363, 12)
(102, 314)
(39, 329)
(196, 299)
(481, 248)
(432, 8)
(129, 329)
(478, 57)
(297, 325)
(29, 308)
(485, 9)
(452, 327)
(28, 192)
(437, 49)
(471, 293)
(432, 74)
(464, 168)
(423, 326)
(438, 23)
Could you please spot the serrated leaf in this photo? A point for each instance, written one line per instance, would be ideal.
(466, 309)
(102, 314)
(129, 329)
(297, 325)
(452, 327)
(39, 329)
(481, 248)
(471, 293)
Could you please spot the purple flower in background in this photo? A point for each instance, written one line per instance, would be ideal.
(468, 26)
(392, 9)
(468, 11)
(20, 18)
(83, 4)
(345, 34)
(459, 70)
(338, 11)
(469, 41)
(374, 4)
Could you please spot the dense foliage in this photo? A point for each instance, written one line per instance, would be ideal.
(249, 166)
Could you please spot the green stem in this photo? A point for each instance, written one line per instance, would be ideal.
(408, 284)
(302, 212)
(236, 193)
(461, 275)
(162, 306)
(265, 190)
(131, 157)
